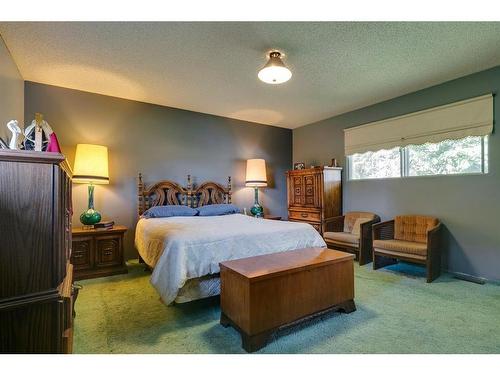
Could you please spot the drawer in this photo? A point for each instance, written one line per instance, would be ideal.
(309, 179)
(108, 249)
(81, 253)
(304, 215)
(34, 327)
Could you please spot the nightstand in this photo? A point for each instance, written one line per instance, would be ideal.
(272, 217)
(97, 252)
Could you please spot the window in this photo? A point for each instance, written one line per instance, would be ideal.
(378, 164)
(447, 157)
(460, 156)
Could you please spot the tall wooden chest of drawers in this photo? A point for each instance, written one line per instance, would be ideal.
(36, 291)
(314, 195)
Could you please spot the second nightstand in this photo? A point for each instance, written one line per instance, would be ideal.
(97, 253)
(272, 217)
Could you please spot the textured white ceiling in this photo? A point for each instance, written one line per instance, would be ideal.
(212, 67)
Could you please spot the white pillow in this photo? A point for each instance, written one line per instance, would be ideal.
(356, 229)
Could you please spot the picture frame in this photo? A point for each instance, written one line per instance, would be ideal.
(300, 165)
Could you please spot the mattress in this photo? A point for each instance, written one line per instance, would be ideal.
(180, 249)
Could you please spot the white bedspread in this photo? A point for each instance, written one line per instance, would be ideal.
(182, 248)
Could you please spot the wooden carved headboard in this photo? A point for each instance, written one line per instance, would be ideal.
(168, 192)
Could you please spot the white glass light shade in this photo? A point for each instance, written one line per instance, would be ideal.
(274, 72)
(256, 173)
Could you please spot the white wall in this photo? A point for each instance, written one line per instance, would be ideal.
(11, 92)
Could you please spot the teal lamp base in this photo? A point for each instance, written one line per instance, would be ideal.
(257, 210)
(91, 216)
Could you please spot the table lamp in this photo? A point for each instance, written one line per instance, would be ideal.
(256, 177)
(91, 167)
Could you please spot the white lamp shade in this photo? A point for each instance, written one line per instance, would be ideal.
(256, 173)
(275, 71)
(91, 164)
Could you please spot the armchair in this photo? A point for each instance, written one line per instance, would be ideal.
(410, 238)
(352, 233)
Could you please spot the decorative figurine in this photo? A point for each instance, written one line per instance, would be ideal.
(53, 145)
(37, 134)
(299, 166)
(333, 163)
(16, 134)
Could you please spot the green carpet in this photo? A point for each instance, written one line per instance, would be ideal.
(396, 313)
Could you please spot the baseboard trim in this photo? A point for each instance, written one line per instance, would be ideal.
(470, 278)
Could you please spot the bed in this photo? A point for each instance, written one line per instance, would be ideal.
(184, 252)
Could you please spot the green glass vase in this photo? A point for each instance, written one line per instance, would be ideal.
(90, 216)
(257, 210)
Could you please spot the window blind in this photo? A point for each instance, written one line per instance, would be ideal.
(471, 117)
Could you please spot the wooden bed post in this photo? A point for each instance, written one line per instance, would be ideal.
(140, 195)
(228, 189)
(140, 206)
(189, 200)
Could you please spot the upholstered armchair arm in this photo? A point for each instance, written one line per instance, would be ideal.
(433, 253)
(334, 224)
(383, 231)
(366, 242)
(433, 239)
(366, 230)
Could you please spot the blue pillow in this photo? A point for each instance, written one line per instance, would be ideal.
(169, 211)
(218, 209)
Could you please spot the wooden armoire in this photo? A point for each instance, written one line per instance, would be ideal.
(36, 277)
(314, 195)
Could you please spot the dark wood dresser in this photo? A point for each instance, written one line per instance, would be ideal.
(97, 252)
(314, 195)
(36, 277)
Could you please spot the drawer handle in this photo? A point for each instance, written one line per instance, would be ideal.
(304, 215)
(108, 252)
(77, 256)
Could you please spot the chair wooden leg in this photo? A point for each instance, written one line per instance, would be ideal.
(433, 271)
(365, 256)
(376, 260)
(380, 261)
(433, 265)
(363, 260)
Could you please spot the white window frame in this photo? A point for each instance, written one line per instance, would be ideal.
(404, 158)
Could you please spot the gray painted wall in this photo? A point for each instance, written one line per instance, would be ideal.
(11, 92)
(469, 206)
(162, 143)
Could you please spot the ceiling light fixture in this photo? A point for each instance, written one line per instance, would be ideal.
(275, 71)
